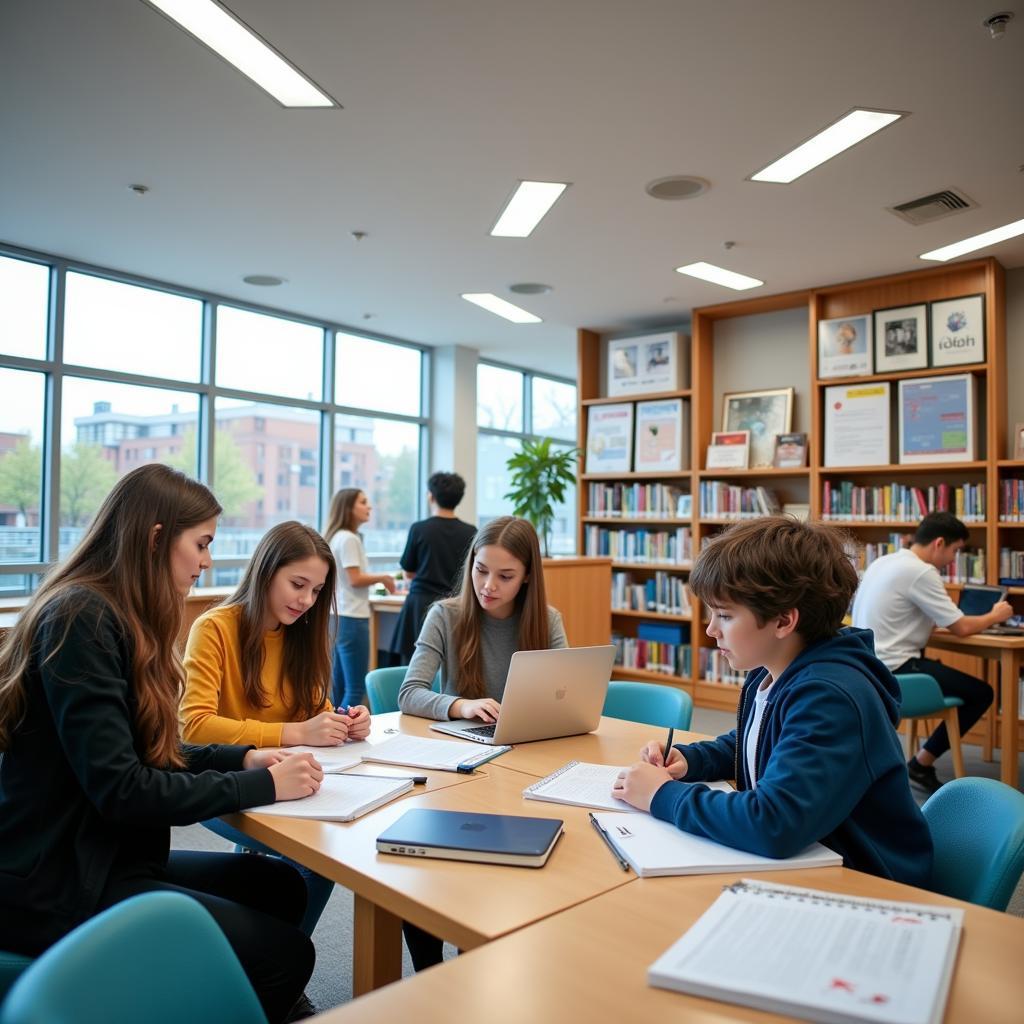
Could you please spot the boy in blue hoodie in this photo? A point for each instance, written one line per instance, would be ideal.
(814, 754)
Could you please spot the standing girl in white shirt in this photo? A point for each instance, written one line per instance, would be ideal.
(350, 509)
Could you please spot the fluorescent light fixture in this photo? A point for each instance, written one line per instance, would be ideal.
(523, 212)
(716, 275)
(948, 252)
(485, 300)
(212, 25)
(846, 132)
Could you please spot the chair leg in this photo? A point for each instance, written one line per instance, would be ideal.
(953, 729)
(989, 726)
(912, 740)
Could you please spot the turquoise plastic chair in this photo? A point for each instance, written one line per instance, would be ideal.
(383, 684)
(649, 703)
(922, 698)
(977, 827)
(12, 966)
(158, 958)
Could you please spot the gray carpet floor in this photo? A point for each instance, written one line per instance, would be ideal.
(331, 983)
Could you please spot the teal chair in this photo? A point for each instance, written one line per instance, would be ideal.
(977, 827)
(922, 698)
(383, 684)
(12, 966)
(650, 703)
(158, 958)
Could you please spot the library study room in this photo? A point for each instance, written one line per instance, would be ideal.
(511, 512)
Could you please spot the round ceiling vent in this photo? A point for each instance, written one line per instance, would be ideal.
(678, 186)
(530, 288)
(263, 280)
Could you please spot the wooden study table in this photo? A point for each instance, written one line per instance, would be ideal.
(590, 962)
(1008, 651)
(467, 904)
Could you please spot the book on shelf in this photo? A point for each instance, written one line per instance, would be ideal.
(1011, 567)
(721, 500)
(1011, 500)
(639, 544)
(857, 425)
(635, 500)
(969, 565)
(798, 510)
(715, 668)
(610, 438)
(662, 444)
(797, 959)
(937, 419)
(846, 501)
(340, 798)
(664, 593)
(666, 653)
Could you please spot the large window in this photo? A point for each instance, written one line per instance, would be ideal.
(130, 381)
(513, 405)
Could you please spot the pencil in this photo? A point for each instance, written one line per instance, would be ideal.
(668, 745)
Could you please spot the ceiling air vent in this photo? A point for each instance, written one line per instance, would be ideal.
(929, 208)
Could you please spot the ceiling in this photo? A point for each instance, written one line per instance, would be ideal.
(448, 103)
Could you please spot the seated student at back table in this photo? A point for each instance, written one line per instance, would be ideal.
(814, 754)
(433, 556)
(501, 609)
(901, 600)
(93, 774)
(258, 668)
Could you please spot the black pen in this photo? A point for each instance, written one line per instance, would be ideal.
(607, 842)
(668, 746)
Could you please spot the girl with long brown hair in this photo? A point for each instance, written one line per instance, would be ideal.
(258, 668)
(93, 772)
(350, 509)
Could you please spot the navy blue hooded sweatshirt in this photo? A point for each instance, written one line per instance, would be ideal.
(829, 768)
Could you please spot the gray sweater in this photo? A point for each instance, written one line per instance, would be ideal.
(435, 650)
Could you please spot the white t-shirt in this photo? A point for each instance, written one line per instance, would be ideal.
(902, 599)
(754, 728)
(349, 552)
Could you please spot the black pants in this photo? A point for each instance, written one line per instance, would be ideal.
(975, 693)
(258, 903)
(425, 949)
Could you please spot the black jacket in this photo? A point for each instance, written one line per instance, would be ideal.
(76, 798)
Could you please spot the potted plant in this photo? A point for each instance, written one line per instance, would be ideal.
(540, 475)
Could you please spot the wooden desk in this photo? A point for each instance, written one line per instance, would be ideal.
(590, 962)
(1008, 651)
(387, 604)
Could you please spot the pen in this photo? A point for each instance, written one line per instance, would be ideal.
(668, 745)
(418, 780)
(607, 842)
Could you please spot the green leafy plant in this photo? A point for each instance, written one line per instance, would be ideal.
(540, 475)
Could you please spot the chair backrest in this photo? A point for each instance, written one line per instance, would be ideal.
(650, 703)
(920, 695)
(383, 684)
(977, 827)
(12, 966)
(158, 958)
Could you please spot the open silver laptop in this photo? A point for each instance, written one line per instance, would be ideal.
(547, 694)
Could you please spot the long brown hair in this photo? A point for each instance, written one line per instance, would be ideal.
(119, 561)
(339, 516)
(519, 539)
(307, 644)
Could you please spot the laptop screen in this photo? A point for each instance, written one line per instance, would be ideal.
(979, 600)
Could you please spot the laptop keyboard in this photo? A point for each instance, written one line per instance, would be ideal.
(481, 730)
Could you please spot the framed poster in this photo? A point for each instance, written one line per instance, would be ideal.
(610, 438)
(790, 451)
(937, 419)
(646, 364)
(958, 331)
(660, 436)
(901, 338)
(857, 424)
(764, 414)
(844, 347)
(728, 450)
(1018, 442)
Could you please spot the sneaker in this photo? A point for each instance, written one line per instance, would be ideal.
(303, 1009)
(923, 775)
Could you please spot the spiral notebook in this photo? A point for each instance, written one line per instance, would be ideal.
(340, 798)
(818, 956)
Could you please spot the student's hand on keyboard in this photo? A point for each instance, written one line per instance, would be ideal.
(486, 709)
(638, 784)
(652, 754)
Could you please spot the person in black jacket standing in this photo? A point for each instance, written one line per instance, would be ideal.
(434, 553)
(93, 773)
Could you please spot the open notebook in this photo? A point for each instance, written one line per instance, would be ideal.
(819, 956)
(340, 798)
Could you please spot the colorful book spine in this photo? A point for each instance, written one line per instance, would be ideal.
(1011, 500)
(664, 593)
(721, 500)
(715, 668)
(845, 501)
(653, 656)
(634, 501)
(1011, 567)
(641, 545)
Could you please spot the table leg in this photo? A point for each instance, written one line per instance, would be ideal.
(374, 630)
(1009, 681)
(377, 952)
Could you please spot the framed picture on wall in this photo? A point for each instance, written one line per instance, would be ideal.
(958, 331)
(764, 414)
(645, 365)
(901, 338)
(844, 346)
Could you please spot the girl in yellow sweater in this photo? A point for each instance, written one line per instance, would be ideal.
(258, 667)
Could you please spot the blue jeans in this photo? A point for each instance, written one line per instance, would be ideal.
(318, 888)
(351, 661)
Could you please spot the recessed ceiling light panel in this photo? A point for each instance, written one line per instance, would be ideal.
(223, 33)
(718, 275)
(530, 288)
(949, 252)
(527, 206)
(831, 141)
(679, 186)
(485, 300)
(263, 280)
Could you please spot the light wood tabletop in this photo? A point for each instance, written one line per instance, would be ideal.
(590, 962)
